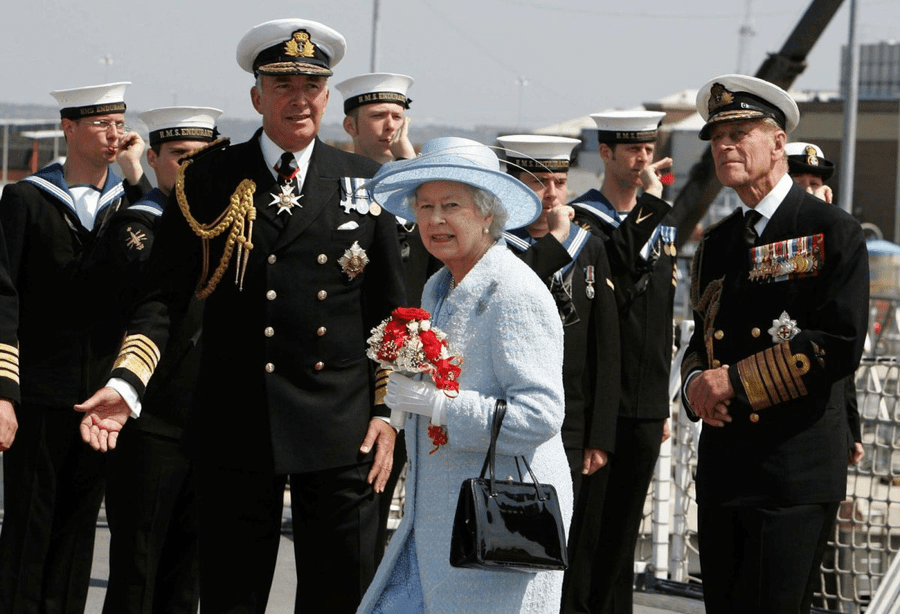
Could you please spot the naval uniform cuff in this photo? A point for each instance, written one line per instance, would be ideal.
(128, 394)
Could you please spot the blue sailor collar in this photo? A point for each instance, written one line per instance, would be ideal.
(52, 180)
(153, 202)
(519, 239)
(594, 203)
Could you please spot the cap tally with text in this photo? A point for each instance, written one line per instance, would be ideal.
(806, 158)
(181, 124)
(91, 100)
(537, 153)
(375, 88)
(291, 47)
(628, 126)
(729, 98)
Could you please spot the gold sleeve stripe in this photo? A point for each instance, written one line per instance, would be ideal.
(141, 343)
(9, 362)
(381, 380)
(775, 374)
(767, 381)
(748, 372)
(132, 363)
(139, 355)
(9, 365)
(785, 374)
(798, 365)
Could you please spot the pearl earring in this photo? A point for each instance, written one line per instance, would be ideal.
(484, 231)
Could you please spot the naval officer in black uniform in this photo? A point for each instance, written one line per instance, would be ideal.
(780, 297)
(150, 495)
(52, 221)
(297, 265)
(639, 237)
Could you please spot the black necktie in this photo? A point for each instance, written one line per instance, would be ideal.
(286, 168)
(751, 217)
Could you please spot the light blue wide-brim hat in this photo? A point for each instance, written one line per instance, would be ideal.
(454, 159)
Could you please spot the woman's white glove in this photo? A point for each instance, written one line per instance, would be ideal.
(415, 397)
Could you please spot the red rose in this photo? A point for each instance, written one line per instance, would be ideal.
(410, 313)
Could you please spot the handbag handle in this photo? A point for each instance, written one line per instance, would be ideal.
(490, 457)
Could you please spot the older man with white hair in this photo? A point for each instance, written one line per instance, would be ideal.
(780, 297)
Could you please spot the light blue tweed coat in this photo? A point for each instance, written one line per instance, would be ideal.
(504, 323)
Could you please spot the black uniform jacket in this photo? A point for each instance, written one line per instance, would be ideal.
(645, 291)
(783, 447)
(61, 295)
(585, 296)
(9, 320)
(284, 382)
(165, 404)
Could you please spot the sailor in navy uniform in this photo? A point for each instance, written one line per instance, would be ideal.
(150, 495)
(297, 265)
(780, 297)
(52, 221)
(639, 237)
(809, 168)
(583, 291)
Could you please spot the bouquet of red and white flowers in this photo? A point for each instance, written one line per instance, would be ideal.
(408, 343)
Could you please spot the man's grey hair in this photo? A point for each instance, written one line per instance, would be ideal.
(486, 203)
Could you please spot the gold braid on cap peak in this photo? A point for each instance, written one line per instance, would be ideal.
(237, 219)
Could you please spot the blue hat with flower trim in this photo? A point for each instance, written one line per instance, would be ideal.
(454, 159)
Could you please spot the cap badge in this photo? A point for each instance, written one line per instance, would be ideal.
(811, 157)
(287, 200)
(354, 260)
(299, 45)
(783, 329)
(719, 97)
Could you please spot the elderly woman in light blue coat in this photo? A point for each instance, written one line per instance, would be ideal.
(502, 320)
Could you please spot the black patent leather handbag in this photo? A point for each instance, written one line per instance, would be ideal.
(507, 525)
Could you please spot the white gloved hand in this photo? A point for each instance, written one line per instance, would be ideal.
(416, 397)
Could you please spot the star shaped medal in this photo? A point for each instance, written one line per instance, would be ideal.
(783, 329)
(287, 200)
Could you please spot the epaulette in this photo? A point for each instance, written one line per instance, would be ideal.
(206, 149)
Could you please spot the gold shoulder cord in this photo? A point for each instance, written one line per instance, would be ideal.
(239, 214)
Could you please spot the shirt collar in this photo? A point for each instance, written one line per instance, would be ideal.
(272, 155)
(770, 202)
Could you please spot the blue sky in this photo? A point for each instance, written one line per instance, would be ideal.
(469, 57)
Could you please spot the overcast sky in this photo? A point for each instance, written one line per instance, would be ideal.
(524, 63)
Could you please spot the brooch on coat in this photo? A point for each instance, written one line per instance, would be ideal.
(788, 259)
(783, 329)
(355, 196)
(354, 260)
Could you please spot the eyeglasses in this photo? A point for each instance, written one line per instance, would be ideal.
(104, 125)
